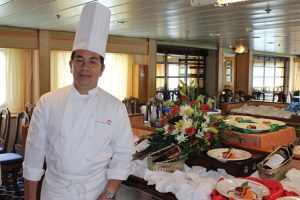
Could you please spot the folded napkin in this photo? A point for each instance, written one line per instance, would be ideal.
(292, 180)
(194, 184)
(139, 167)
(276, 190)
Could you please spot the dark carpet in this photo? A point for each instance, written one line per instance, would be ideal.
(8, 192)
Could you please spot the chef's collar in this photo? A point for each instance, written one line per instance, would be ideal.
(90, 92)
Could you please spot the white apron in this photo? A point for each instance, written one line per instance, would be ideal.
(57, 186)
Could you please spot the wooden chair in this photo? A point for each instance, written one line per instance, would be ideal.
(279, 97)
(224, 98)
(4, 129)
(295, 95)
(227, 92)
(258, 95)
(240, 94)
(154, 110)
(29, 107)
(12, 162)
(247, 97)
(132, 104)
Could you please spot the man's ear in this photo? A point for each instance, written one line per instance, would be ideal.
(103, 67)
(70, 64)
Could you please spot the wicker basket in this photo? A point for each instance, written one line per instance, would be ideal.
(274, 174)
(169, 165)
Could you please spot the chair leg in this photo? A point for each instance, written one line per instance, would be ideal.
(15, 181)
(5, 178)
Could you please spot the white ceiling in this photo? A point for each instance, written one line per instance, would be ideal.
(247, 23)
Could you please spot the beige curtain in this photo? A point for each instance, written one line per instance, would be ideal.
(21, 74)
(2, 77)
(297, 76)
(60, 74)
(117, 76)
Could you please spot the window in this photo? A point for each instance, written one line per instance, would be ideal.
(269, 74)
(18, 73)
(2, 77)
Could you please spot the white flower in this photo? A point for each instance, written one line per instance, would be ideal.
(186, 111)
(187, 123)
(204, 124)
(200, 133)
(181, 138)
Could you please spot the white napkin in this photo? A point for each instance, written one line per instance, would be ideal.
(293, 175)
(292, 180)
(139, 167)
(192, 184)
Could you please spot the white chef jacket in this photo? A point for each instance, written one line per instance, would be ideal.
(86, 140)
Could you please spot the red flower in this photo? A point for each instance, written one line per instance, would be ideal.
(175, 110)
(193, 142)
(164, 120)
(193, 102)
(207, 136)
(170, 129)
(190, 131)
(204, 107)
(183, 98)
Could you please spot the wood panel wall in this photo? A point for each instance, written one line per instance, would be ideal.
(242, 72)
(45, 41)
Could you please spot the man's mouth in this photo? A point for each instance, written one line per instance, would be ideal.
(84, 75)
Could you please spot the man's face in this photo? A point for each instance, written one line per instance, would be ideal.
(86, 69)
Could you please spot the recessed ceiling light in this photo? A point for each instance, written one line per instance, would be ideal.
(214, 34)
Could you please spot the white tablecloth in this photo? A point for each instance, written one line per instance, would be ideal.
(196, 183)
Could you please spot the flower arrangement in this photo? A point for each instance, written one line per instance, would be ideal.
(186, 123)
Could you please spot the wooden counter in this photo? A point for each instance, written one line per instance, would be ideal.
(264, 142)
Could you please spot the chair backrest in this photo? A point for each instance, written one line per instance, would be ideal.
(227, 92)
(132, 104)
(279, 97)
(247, 97)
(29, 107)
(154, 109)
(4, 129)
(21, 120)
(295, 95)
(258, 95)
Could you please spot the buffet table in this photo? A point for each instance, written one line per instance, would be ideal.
(265, 142)
(146, 186)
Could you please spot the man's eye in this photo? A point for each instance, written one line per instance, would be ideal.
(79, 60)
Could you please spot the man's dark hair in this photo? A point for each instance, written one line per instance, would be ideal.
(101, 58)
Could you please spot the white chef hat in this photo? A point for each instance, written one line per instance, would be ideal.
(93, 28)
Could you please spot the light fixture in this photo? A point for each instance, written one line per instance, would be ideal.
(239, 49)
(221, 3)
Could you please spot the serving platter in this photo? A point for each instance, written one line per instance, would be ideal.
(226, 188)
(270, 121)
(252, 127)
(217, 154)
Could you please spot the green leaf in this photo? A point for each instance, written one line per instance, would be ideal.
(174, 119)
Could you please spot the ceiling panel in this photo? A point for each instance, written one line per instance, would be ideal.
(247, 24)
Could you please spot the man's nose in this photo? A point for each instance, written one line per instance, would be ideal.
(85, 64)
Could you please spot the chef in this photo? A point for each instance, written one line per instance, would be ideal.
(80, 131)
